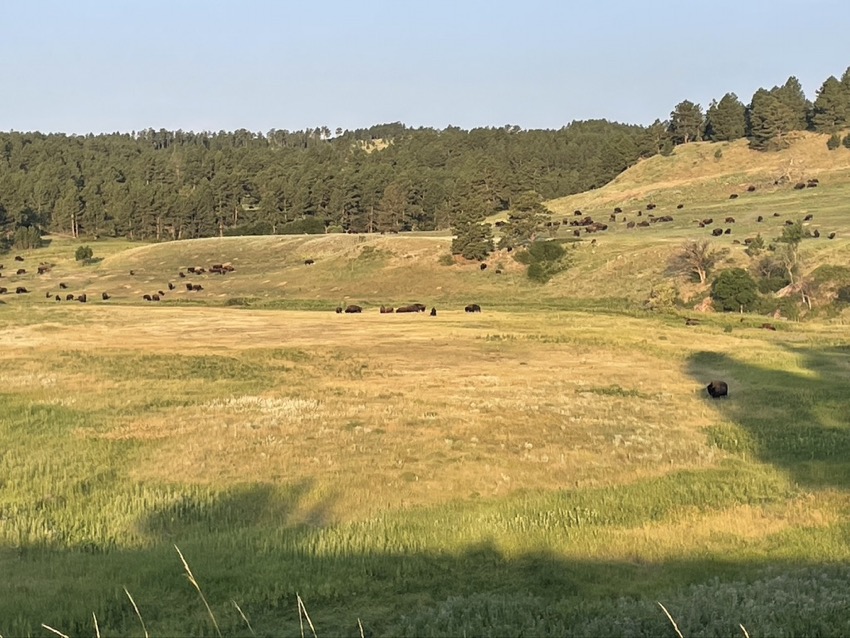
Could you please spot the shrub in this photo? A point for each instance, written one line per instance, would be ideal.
(734, 290)
(336, 229)
(446, 260)
(84, 254)
(305, 226)
(833, 142)
(27, 237)
(662, 297)
(544, 259)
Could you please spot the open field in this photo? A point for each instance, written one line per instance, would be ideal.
(549, 467)
(425, 475)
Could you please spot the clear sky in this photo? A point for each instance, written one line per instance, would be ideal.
(79, 66)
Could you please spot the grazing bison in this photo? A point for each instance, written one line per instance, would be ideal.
(384, 310)
(759, 218)
(650, 207)
(20, 290)
(146, 297)
(48, 294)
(691, 322)
(768, 326)
(338, 310)
(728, 231)
(640, 213)
(21, 271)
(104, 296)
(82, 298)
(498, 271)
(708, 221)
(18, 258)
(161, 293)
(132, 272)
(776, 215)
(679, 206)
(403, 309)
(717, 232)
(808, 217)
(3, 290)
(170, 286)
(69, 297)
(751, 189)
(433, 312)
(190, 286)
(816, 233)
(717, 389)
(473, 307)
(788, 222)
(154, 297)
(43, 269)
(577, 233)
(63, 286)
(197, 287)
(630, 225)
(733, 196)
(730, 220)
(831, 236)
(643, 224)
(309, 262)
(616, 210)
(352, 309)
(483, 266)
(181, 274)
(58, 298)
(799, 186)
(812, 183)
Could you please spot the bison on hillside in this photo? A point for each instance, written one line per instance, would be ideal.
(717, 389)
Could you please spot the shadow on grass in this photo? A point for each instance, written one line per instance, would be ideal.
(797, 420)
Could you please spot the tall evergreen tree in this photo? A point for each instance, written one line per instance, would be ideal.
(686, 123)
(726, 120)
(792, 96)
(831, 107)
(769, 119)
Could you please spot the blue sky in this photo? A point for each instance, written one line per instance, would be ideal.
(112, 65)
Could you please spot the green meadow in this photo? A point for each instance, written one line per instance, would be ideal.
(550, 467)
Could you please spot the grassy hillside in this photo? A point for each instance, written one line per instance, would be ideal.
(549, 467)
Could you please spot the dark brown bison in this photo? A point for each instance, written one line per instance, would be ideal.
(63, 286)
(643, 224)
(473, 307)
(147, 297)
(69, 297)
(717, 232)
(717, 389)
(730, 220)
(181, 274)
(154, 297)
(751, 189)
(679, 206)
(48, 294)
(733, 196)
(309, 262)
(132, 272)
(404, 309)
(788, 222)
(43, 269)
(483, 266)
(190, 286)
(18, 258)
(708, 221)
(384, 310)
(433, 312)
(58, 298)
(812, 183)
(352, 309)
(799, 186)
(759, 218)
(816, 233)
(630, 225)
(20, 290)
(82, 298)
(170, 286)
(161, 293)
(197, 287)
(728, 231)
(768, 326)
(338, 310)
(776, 214)
(650, 207)
(831, 236)
(104, 296)
(808, 217)
(21, 271)
(692, 322)
(616, 210)
(3, 290)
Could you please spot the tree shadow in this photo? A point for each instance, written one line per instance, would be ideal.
(797, 420)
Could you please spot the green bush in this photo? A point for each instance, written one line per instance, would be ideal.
(305, 226)
(544, 259)
(336, 229)
(833, 142)
(734, 290)
(84, 254)
(446, 260)
(27, 237)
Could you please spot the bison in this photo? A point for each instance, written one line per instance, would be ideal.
(759, 218)
(717, 232)
(433, 312)
(20, 290)
(483, 266)
(352, 308)
(692, 322)
(3, 290)
(18, 258)
(808, 217)
(384, 310)
(717, 389)
(82, 298)
(104, 296)
(473, 307)
(730, 220)
(170, 286)
(147, 297)
(650, 207)
(69, 297)
(799, 186)
(679, 206)
(728, 231)
(733, 196)
(338, 310)
(63, 286)
(831, 236)
(751, 189)
(816, 233)
(309, 262)
(21, 271)
(768, 326)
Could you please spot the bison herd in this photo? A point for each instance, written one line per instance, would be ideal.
(411, 308)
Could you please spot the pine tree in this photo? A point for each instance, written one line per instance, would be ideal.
(769, 119)
(686, 123)
(726, 120)
(791, 95)
(831, 107)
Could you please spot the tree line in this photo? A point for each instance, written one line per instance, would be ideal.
(163, 185)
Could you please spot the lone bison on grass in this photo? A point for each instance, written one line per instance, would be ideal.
(717, 389)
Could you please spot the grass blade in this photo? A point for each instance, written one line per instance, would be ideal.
(241, 613)
(145, 629)
(673, 622)
(194, 582)
(55, 631)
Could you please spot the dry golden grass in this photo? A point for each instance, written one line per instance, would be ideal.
(382, 412)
